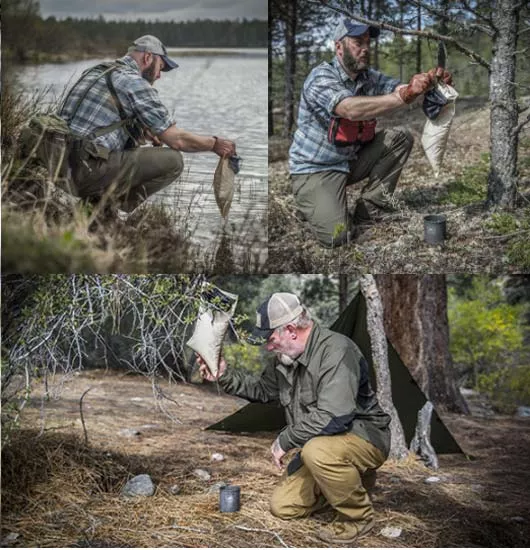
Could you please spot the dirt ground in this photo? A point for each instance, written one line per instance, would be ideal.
(395, 244)
(58, 492)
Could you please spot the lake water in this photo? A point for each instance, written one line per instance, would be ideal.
(216, 92)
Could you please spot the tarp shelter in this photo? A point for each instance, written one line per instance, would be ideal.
(407, 396)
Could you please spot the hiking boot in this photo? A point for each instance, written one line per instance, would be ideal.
(344, 532)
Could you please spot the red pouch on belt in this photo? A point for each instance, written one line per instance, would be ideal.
(343, 131)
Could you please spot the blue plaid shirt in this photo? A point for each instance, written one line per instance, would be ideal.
(325, 87)
(138, 98)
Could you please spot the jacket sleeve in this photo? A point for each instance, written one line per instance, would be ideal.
(334, 409)
(262, 388)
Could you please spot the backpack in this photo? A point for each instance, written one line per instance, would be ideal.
(48, 140)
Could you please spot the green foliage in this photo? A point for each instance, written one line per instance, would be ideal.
(28, 37)
(518, 249)
(243, 356)
(507, 387)
(471, 186)
(502, 223)
(485, 331)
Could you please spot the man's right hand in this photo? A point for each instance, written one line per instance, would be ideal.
(205, 371)
(224, 147)
(418, 85)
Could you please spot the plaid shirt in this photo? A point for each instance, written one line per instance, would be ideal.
(138, 98)
(325, 87)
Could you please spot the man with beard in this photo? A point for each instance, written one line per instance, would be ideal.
(113, 108)
(321, 379)
(335, 144)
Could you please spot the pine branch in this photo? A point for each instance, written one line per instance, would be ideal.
(489, 29)
(423, 34)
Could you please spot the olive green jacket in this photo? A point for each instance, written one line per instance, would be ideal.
(325, 392)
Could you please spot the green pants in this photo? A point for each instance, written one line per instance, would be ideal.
(332, 473)
(127, 177)
(321, 197)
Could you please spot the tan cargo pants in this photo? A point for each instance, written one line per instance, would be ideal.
(128, 177)
(321, 197)
(333, 467)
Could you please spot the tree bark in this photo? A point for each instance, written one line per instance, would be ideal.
(502, 179)
(290, 67)
(418, 41)
(343, 292)
(270, 103)
(415, 317)
(374, 317)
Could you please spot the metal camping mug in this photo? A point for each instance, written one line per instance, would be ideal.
(229, 498)
(434, 228)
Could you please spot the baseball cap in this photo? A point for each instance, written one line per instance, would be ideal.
(150, 43)
(350, 28)
(277, 310)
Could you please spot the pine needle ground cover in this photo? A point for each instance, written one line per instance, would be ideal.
(62, 490)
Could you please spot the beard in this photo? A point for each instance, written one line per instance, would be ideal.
(352, 64)
(285, 359)
(149, 73)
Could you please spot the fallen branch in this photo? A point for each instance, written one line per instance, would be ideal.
(195, 530)
(280, 540)
(81, 413)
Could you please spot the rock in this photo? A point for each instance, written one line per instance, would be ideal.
(149, 426)
(202, 474)
(395, 479)
(137, 398)
(217, 457)
(518, 519)
(391, 532)
(432, 479)
(140, 485)
(216, 487)
(129, 432)
(523, 411)
(10, 537)
(175, 489)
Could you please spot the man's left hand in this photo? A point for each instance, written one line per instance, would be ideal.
(277, 454)
(440, 74)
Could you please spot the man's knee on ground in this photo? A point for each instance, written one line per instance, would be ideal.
(333, 237)
(282, 508)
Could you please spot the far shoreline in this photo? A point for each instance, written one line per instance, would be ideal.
(40, 58)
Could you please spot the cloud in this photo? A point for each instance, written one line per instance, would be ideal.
(178, 10)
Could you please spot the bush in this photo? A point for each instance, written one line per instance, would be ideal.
(244, 357)
(507, 387)
(471, 186)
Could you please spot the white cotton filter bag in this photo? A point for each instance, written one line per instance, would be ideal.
(436, 131)
(210, 330)
(223, 185)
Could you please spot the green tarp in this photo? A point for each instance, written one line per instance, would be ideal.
(406, 394)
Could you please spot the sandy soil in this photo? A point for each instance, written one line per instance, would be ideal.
(58, 492)
(395, 245)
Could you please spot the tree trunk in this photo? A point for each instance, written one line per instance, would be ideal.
(374, 318)
(270, 103)
(418, 42)
(343, 292)
(502, 180)
(290, 67)
(416, 324)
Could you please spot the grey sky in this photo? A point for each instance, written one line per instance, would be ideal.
(177, 10)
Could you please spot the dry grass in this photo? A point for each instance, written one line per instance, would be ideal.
(396, 245)
(58, 492)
